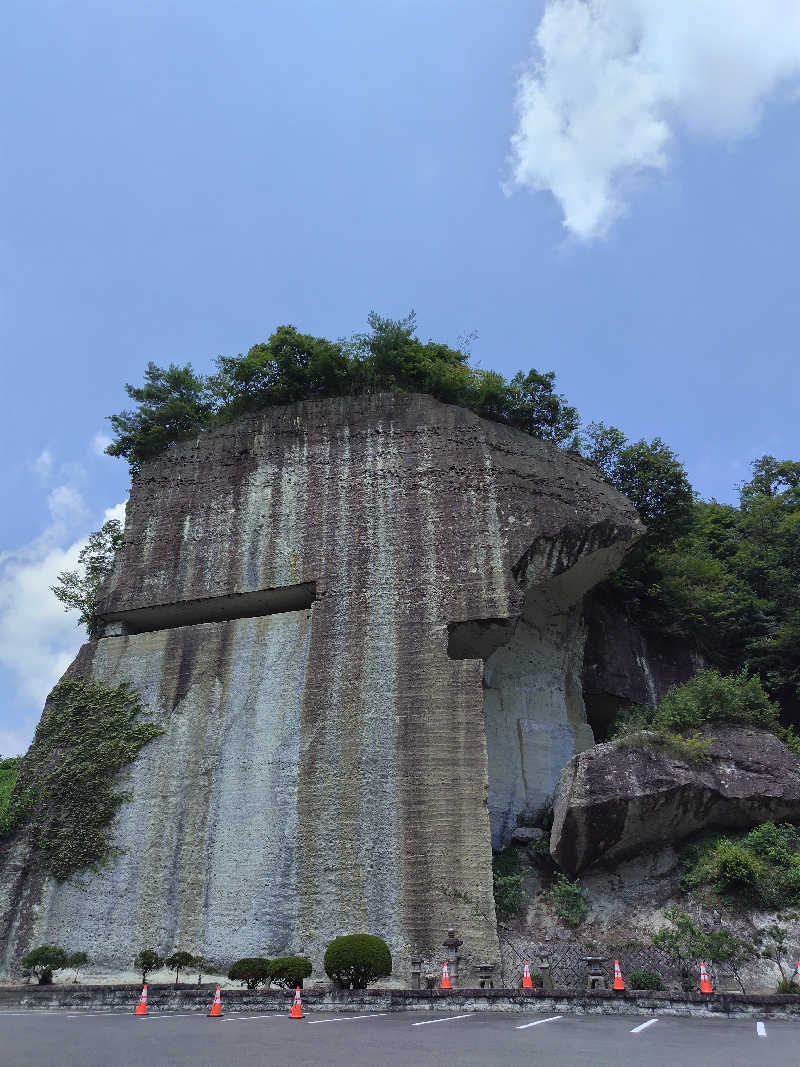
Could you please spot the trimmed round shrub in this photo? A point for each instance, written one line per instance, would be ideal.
(355, 960)
(252, 971)
(289, 971)
(644, 979)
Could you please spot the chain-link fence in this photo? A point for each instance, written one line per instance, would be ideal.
(569, 967)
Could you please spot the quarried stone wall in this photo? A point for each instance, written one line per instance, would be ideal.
(324, 770)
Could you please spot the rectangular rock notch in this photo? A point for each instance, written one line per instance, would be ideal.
(211, 609)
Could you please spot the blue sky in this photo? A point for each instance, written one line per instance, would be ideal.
(607, 190)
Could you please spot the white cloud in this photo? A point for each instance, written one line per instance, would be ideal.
(100, 443)
(43, 464)
(613, 81)
(38, 639)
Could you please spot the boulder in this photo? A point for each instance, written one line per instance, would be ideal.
(613, 801)
(527, 835)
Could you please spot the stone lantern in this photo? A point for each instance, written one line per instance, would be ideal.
(452, 944)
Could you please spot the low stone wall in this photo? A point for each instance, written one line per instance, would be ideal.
(193, 998)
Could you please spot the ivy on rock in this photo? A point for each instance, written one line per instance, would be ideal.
(66, 794)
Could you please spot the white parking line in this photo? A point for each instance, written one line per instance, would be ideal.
(348, 1018)
(761, 1030)
(539, 1022)
(643, 1026)
(243, 1018)
(449, 1019)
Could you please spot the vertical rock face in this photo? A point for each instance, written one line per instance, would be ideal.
(305, 601)
(623, 666)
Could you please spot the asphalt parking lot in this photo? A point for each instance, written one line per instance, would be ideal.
(107, 1039)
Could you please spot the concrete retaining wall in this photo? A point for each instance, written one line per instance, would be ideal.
(193, 998)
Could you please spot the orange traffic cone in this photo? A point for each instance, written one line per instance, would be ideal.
(705, 984)
(527, 982)
(619, 985)
(797, 976)
(141, 1007)
(216, 1007)
(297, 1006)
(445, 977)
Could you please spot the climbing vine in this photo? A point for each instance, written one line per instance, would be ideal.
(65, 793)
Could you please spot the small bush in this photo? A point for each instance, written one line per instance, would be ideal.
(786, 985)
(644, 979)
(736, 867)
(568, 900)
(357, 959)
(42, 961)
(251, 970)
(289, 971)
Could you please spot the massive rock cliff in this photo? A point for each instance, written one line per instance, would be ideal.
(351, 617)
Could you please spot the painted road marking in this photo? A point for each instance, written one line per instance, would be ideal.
(643, 1026)
(539, 1022)
(348, 1018)
(761, 1030)
(449, 1019)
(243, 1018)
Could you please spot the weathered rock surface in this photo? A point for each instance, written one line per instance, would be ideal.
(613, 801)
(622, 665)
(324, 769)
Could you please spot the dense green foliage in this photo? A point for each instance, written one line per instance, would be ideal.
(705, 699)
(65, 792)
(567, 899)
(252, 971)
(729, 580)
(509, 895)
(289, 971)
(645, 979)
(42, 961)
(757, 869)
(147, 960)
(355, 960)
(78, 589)
(176, 402)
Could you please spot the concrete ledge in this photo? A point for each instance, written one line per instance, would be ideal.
(193, 998)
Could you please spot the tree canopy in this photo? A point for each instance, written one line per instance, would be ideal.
(176, 402)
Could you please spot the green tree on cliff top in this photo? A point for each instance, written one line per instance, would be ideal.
(176, 403)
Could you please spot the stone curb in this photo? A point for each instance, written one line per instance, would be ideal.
(603, 1002)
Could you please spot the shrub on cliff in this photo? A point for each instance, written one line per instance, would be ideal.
(706, 699)
(252, 971)
(507, 883)
(757, 869)
(355, 960)
(567, 899)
